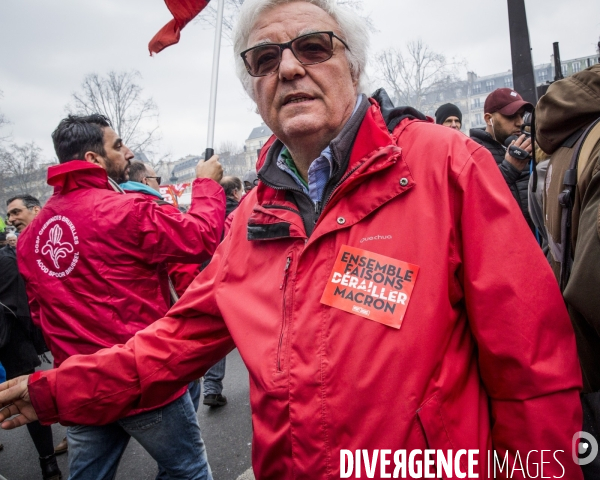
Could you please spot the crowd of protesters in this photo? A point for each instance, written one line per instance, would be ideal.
(389, 283)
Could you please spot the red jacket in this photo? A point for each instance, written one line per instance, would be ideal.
(485, 356)
(93, 259)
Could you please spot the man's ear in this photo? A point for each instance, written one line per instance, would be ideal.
(487, 117)
(36, 209)
(93, 157)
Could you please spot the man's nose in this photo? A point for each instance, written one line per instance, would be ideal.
(290, 67)
(128, 154)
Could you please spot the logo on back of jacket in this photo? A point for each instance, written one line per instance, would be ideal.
(56, 247)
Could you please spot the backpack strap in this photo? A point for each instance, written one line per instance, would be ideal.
(583, 149)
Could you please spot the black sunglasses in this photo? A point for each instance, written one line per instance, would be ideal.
(158, 179)
(309, 49)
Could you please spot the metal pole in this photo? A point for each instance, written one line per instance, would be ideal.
(212, 112)
(557, 63)
(523, 76)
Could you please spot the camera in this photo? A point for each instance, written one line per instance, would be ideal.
(525, 130)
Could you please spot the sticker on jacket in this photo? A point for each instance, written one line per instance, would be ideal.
(370, 285)
(56, 247)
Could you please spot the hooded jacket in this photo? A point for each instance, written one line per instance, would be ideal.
(517, 181)
(93, 259)
(569, 106)
(480, 360)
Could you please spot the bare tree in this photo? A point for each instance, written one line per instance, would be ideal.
(230, 146)
(118, 96)
(414, 75)
(21, 172)
(231, 10)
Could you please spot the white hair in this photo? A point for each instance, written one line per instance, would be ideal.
(353, 30)
(11, 235)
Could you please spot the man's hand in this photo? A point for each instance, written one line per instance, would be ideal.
(524, 143)
(14, 400)
(210, 168)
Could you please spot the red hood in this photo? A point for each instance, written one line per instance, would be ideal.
(77, 173)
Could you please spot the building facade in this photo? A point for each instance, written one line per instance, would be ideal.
(470, 94)
(258, 137)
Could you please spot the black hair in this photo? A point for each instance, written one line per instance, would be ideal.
(137, 171)
(230, 184)
(76, 135)
(28, 200)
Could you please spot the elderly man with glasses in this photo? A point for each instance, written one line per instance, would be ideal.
(377, 283)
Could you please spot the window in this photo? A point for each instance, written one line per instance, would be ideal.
(542, 76)
(458, 93)
(440, 97)
(478, 119)
(477, 103)
(565, 69)
(508, 82)
(476, 88)
(576, 67)
(489, 85)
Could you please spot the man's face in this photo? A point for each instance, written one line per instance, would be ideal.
(452, 122)
(12, 241)
(303, 102)
(19, 216)
(116, 161)
(504, 126)
(152, 179)
(238, 193)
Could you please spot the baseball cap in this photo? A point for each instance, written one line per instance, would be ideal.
(505, 101)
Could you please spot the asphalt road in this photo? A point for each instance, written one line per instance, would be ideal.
(227, 433)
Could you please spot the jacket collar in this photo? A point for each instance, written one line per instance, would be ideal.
(138, 187)
(481, 134)
(340, 146)
(77, 174)
(368, 149)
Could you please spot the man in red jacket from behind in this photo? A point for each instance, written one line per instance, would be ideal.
(94, 264)
(389, 301)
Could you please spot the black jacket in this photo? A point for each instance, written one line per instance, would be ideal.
(230, 205)
(20, 355)
(518, 182)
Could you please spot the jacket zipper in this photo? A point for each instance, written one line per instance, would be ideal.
(321, 205)
(284, 313)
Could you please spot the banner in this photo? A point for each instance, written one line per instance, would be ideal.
(172, 193)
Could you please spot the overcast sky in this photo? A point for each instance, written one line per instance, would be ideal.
(48, 46)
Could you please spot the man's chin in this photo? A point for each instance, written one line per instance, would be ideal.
(302, 126)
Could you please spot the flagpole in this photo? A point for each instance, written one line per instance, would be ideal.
(213, 85)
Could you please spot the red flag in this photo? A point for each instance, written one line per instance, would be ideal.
(183, 12)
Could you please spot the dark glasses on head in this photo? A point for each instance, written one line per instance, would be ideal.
(309, 49)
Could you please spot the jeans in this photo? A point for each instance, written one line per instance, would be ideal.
(171, 435)
(213, 379)
(195, 389)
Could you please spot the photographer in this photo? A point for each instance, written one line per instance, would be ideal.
(504, 110)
